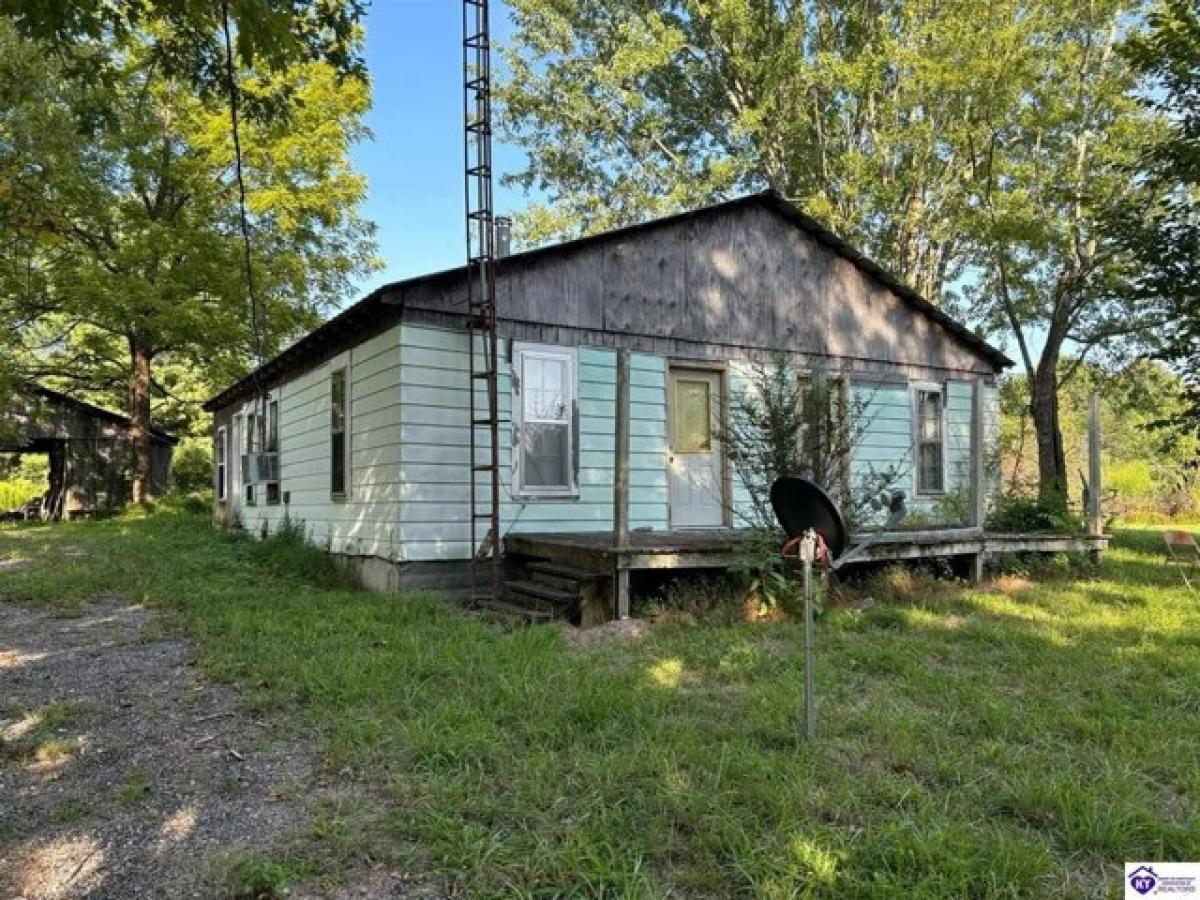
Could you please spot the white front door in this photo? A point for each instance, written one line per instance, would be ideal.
(697, 478)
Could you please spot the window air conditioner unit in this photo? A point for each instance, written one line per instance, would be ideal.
(263, 468)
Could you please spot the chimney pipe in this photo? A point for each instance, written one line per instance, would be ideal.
(503, 236)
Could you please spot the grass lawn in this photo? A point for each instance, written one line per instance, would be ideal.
(1024, 739)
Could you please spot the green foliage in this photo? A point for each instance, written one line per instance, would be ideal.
(124, 249)
(22, 478)
(1148, 466)
(872, 117)
(274, 33)
(1164, 236)
(255, 877)
(973, 741)
(766, 580)
(785, 420)
(17, 491)
(192, 465)
(954, 506)
(1031, 515)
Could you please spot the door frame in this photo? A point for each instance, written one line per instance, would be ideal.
(721, 370)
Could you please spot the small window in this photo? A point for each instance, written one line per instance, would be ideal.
(222, 465)
(693, 415)
(930, 443)
(337, 433)
(546, 394)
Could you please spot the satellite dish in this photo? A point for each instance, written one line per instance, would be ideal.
(801, 504)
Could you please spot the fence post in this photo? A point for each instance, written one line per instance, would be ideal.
(1094, 513)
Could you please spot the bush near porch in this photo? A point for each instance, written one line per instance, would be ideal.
(1022, 738)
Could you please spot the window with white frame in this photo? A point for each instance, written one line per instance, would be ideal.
(929, 409)
(545, 399)
(337, 434)
(222, 454)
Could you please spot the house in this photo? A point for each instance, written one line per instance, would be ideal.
(89, 451)
(360, 429)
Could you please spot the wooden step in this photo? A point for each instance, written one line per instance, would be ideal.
(565, 578)
(543, 592)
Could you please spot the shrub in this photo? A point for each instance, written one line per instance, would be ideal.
(192, 465)
(15, 492)
(1023, 514)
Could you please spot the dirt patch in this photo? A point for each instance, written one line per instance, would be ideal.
(123, 772)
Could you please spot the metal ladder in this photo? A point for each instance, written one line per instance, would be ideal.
(486, 567)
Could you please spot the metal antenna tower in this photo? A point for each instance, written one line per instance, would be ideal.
(481, 304)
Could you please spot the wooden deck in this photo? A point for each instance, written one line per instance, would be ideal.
(718, 548)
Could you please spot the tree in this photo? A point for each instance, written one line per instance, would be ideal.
(968, 148)
(1148, 468)
(1164, 235)
(274, 33)
(1047, 269)
(871, 116)
(121, 216)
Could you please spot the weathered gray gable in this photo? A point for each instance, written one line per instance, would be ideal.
(732, 280)
(742, 277)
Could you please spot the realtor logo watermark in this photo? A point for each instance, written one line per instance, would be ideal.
(1161, 879)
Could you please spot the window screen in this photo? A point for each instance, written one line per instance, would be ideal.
(337, 433)
(930, 443)
(547, 404)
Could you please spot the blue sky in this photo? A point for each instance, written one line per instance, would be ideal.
(414, 164)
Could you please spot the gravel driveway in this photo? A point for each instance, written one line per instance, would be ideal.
(123, 772)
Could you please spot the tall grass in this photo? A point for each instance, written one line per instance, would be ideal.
(1021, 739)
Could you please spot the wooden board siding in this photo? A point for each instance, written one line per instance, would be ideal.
(433, 514)
(731, 284)
(365, 523)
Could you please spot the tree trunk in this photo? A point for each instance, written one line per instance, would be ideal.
(1043, 407)
(139, 419)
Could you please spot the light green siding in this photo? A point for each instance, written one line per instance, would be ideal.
(882, 436)
(366, 522)
(409, 465)
(434, 509)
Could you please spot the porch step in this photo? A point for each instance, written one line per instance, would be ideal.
(542, 592)
(566, 578)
